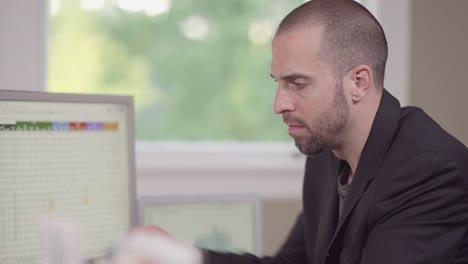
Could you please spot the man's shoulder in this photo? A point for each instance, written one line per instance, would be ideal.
(418, 132)
(418, 135)
(422, 156)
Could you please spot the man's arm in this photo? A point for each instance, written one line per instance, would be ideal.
(421, 216)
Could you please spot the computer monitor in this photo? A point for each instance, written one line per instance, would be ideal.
(65, 155)
(226, 222)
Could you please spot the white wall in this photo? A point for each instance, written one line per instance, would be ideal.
(395, 18)
(23, 27)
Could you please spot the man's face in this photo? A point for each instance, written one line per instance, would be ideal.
(309, 97)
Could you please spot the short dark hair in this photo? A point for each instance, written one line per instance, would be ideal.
(351, 34)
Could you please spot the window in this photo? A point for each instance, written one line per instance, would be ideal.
(198, 70)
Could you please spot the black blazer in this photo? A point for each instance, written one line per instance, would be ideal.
(407, 203)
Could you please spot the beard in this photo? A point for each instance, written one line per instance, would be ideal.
(324, 129)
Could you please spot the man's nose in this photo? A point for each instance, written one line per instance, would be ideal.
(283, 101)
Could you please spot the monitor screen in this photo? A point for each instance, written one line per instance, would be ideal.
(64, 155)
(227, 222)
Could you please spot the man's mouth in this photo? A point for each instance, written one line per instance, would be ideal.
(294, 127)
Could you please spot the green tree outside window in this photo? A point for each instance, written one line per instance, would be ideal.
(198, 70)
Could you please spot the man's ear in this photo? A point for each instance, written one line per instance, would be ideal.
(361, 80)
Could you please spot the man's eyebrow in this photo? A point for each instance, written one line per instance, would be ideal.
(293, 76)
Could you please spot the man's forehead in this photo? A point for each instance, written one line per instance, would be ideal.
(297, 51)
(298, 41)
(296, 46)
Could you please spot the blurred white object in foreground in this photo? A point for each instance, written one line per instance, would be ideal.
(150, 248)
(60, 242)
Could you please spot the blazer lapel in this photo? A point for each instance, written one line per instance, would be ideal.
(329, 211)
(329, 208)
(377, 144)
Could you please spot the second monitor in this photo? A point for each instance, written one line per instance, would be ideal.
(219, 222)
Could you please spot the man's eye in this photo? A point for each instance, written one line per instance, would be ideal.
(298, 84)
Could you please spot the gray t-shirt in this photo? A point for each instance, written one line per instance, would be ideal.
(343, 186)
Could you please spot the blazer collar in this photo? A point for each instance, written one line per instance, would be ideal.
(379, 140)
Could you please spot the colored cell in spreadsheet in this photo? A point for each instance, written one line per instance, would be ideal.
(91, 126)
(60, 126)
(111, 126)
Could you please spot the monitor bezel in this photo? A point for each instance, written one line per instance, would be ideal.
(43, 96)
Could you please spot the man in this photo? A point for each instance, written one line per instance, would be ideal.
(383, 184)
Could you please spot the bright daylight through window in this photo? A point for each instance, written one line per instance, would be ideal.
(199, 70)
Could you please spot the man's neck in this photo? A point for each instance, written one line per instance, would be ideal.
(355, 135)
(351, 150)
